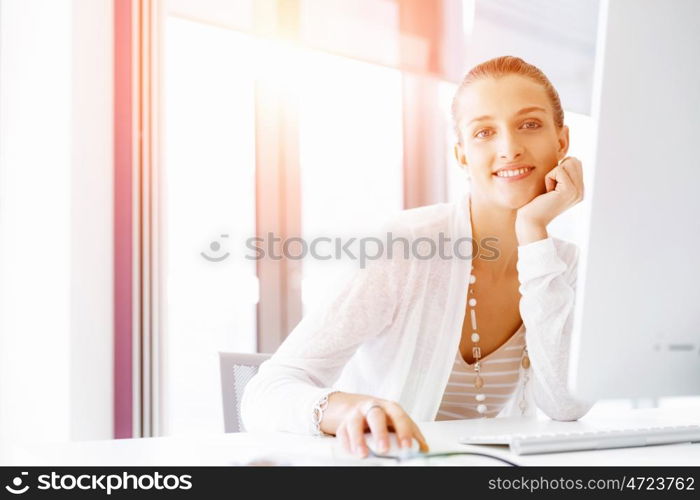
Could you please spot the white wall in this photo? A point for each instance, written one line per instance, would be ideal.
(55, 220)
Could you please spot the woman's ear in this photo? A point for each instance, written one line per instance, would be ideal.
(563, 142)
(462, 160)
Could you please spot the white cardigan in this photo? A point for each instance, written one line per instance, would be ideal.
(393, 330)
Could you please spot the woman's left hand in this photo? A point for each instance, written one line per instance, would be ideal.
(564, 185)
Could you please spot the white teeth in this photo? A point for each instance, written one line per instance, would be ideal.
(511, 173)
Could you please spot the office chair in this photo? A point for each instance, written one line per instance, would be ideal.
(236, 370)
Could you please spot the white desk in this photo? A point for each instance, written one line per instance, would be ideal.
(232, 449)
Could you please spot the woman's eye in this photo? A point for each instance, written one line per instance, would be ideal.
(531, 125)
(483, 133)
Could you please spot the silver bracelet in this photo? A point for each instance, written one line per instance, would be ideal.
(317, 413)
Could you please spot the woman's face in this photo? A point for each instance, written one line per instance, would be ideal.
(508, 123)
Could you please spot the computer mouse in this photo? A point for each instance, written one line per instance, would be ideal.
(394, 449)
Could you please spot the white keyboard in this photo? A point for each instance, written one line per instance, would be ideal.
(530, 444)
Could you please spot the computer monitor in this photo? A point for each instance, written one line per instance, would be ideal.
(637, 317)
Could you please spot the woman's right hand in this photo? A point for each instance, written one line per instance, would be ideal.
(349, 416)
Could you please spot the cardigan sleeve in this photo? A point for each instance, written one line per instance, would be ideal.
(284, 392)
(547, 276)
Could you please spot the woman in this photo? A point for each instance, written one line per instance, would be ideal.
(400, 342)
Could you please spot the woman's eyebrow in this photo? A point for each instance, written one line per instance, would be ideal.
(523, 111)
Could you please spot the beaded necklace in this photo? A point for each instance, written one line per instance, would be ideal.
(476, 353)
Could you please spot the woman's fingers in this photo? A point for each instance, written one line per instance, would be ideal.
(381, 417)
(571, 184)
(550, 181)
(574, 171)
(376, 419)
(424, 448)
(557, 177)
(342, 434)
(356, 433)
(565, 179)
(402, 423)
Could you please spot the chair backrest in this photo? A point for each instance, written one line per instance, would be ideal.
(236, 371)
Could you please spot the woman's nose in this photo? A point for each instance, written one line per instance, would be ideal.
(509, 148)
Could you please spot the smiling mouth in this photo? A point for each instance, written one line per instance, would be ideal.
(514, 174)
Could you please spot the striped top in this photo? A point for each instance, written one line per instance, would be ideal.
(500, 372)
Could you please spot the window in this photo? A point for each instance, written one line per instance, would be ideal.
(209, 192)
(261, 135)
(350, 156)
